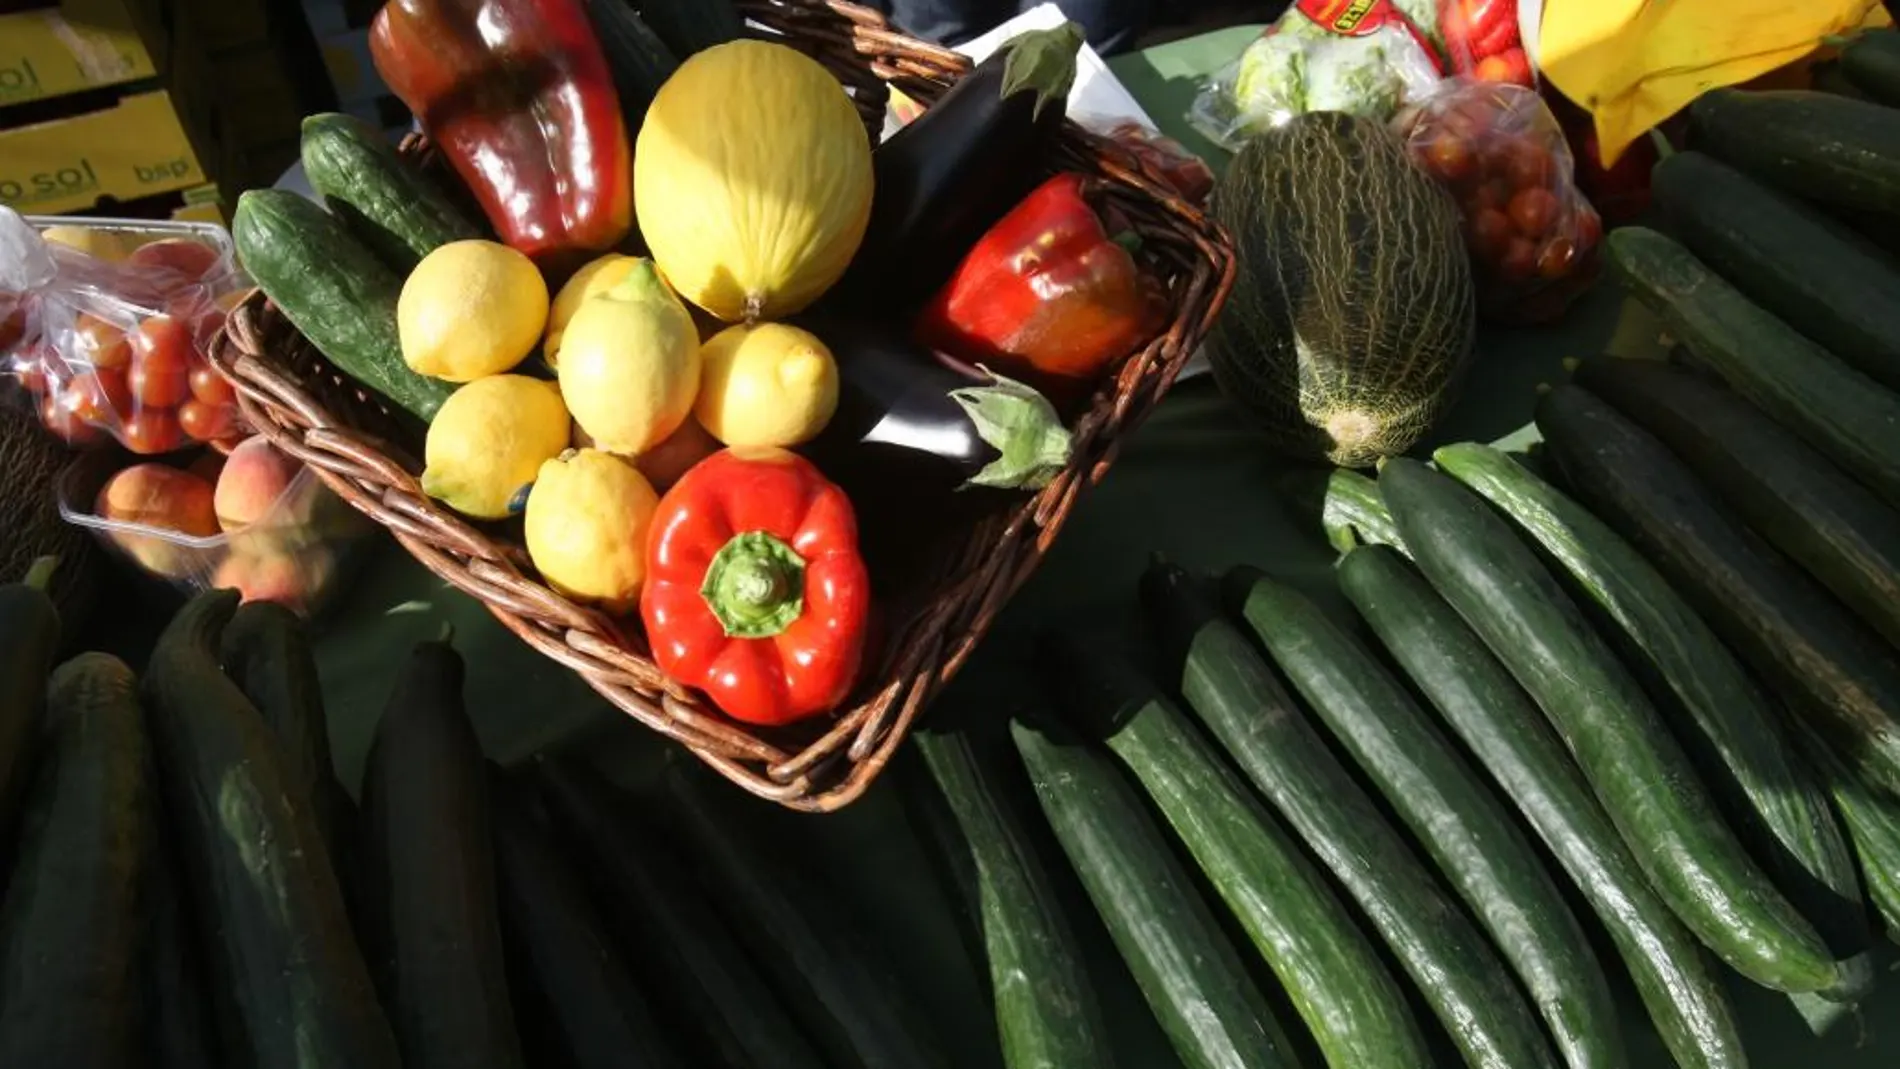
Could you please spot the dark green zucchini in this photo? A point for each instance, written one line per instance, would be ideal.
(1871, 63)
(1730, 726)
(1523, 753)
(1830, 149)
(639, 60)
(1787, 257)
(1844, 414)
(266, 652)
(1344, 993)
(180, 1030)
(278, 951)
(1347, 504)
(1046, 1010)
(698, 976)
(1193, 980)
(385, 200)
(74, 918)
(1830, 525)
(1454, 816)
(29, 639)
(1236, 696)
(1637, 768)
(432, 932)
(1873, 822)
(1830, 671)
(566, 974)
(691, 26)
(816, 957)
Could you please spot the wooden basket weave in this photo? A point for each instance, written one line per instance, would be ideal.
(294, 398)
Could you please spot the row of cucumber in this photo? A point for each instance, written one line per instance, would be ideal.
(187, 885)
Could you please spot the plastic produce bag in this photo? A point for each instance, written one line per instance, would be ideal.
(108, 329)
(1321, 55)
(1533, 237)
(1483, 40)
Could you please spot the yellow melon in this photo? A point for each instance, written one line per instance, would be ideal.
(752, 180)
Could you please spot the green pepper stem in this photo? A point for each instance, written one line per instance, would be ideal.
(39, 574)
(755, 585)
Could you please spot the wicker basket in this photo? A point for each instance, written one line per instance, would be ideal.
(291, 395)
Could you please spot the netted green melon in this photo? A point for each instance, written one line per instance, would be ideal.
(30, 525)
(1352, 315)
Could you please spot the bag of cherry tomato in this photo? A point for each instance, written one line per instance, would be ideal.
(1533, 237)
(111, 344)
(1483, 40)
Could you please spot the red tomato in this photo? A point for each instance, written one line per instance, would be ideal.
(1488, 233)
(13, 324)
(190, 259)
(151, 430)
(1589, 228)
(1530, 165)
(1533, 210)
(30, 373)
(99, 343)
(1554, 260)
(1494, 193)
(207, 422)
(65, 425)
(162, 356)
(209, 386)
(100, 397)
(1449, 158)
(1519, 261)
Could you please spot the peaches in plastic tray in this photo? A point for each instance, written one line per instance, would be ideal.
(256, 521)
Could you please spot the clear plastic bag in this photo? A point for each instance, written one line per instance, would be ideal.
(1532, 235)
(1320, 55)
(108, 330)
(1483, 40)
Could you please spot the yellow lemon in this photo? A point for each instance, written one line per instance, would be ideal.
(766, 385)
(630, 363)
(489, 440)
(586, 527)
(592, 280)
(470, 309)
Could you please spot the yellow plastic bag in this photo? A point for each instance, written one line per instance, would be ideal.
(1634, 63)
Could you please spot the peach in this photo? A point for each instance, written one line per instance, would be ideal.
(255, 475)
(158, 495)
(265, 575)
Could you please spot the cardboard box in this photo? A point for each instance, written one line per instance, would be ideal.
(134, 149)
(79, 45)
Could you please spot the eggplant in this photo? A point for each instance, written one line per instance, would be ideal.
(963, 164)
(982, 428)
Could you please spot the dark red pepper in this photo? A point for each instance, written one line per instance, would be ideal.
(1049, 295)
(520, 101)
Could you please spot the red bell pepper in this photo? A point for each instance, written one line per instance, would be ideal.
(519, 99)
(1048, 295)
(755, 592)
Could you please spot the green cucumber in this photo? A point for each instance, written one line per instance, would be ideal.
(266, 651)
(1637, 768)
(1350, 1002)
(813, 953)
(1829, 149)
(641, 63)
(432, 930)
(566, 974)
(1790, 495)
(1830, 671)
(29, 639)
(278, 949)
(74, 918)
(1871, 63)
(1235, 694)
(383, 199)
(692, 26)
(1452, 814)
(1046, 1009)
(180, 1032)
(333, 290)
(1192, 978)
(1798, 264)
(1841, 412)
(1347, 504)
(697, 974)
(1731, 727)
(1523, 753)
(1873, 822)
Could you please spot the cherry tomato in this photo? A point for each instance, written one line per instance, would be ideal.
(164, 338)
(100, 397)
(1556, 257)
(151, 430)
(99, 343)
(1532, 211)
(209, 386)
(13, 324)
(161, 362)
(1494, 193)
(30, 374)
(207, 422)
(1488, 234)
(1518, 262)
(69, 428)
(1530, 165)
(1589, 228)
(1449, 158)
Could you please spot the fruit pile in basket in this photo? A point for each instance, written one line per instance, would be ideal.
(652, 291)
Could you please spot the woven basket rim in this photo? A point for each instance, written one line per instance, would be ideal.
(291, 396)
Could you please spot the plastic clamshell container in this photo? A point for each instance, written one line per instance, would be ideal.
(294, 554)
(135, 232)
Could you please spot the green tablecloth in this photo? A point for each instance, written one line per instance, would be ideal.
(1194, 483)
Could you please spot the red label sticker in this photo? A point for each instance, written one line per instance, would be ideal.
(1349, 18)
